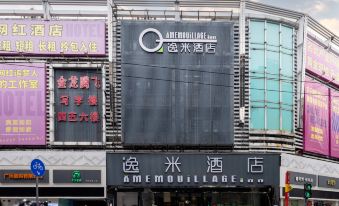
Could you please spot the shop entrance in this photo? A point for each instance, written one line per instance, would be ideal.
(180, 198)
(197, 197)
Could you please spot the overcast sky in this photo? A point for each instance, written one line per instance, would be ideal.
(324, 11)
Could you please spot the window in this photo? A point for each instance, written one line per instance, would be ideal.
(271, 76)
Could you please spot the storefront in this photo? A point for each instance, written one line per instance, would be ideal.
(321, 174)
(192, 179)
(71, 178)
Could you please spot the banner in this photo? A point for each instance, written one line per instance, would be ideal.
(84, 38)
(22, 104)
(316, 121)
(334, 124)
(321, 62)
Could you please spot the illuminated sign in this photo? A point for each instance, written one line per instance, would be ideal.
(78, 105)
(21, 177)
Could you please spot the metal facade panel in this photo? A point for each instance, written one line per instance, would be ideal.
(181, 95)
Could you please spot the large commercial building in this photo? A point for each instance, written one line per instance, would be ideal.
(168, 103)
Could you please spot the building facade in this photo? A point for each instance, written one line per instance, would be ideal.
(167, 103)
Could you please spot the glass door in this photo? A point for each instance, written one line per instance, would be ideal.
(209, 198)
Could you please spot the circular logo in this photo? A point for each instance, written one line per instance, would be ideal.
(37, 167)
(160, 40)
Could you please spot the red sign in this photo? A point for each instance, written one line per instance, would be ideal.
(78, 100)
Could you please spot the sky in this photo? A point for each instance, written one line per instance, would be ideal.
(324, 11)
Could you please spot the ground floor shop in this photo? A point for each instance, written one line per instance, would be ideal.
(322, 175)
(180, 179)
(89, 178)
(71, 178)
(52, 202)
(195, 197)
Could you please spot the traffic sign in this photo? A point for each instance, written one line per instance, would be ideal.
(37, 167)
(288, 188)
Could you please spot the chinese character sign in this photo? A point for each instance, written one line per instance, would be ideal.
(191, 170)
(130, 165)
(78, 115)
(22, 104)
(322, 62)
(84, 38)
(334, 124)
(316, 121)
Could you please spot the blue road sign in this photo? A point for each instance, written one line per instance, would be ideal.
(37, 167)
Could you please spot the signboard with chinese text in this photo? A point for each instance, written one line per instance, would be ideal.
(192, 170)
(77, 176)
(297, 178)
(316, 120)
(78, 105)
(22, 104)
(85, 38)
(177, 83)
(21, 177)
(322, 62)
(328, 182)
(334, 150)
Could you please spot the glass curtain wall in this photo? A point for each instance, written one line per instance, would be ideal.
(271, 76)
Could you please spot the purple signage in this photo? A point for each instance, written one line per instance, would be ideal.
(22, 104)
(84, 38)
(321, 62)
(334, 124)
(316, 121)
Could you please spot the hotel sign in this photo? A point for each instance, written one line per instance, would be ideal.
(180, 42)
(191, 170)
(57, 38)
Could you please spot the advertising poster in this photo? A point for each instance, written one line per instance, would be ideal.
(322, 62)
(57, 38)
(22, 104)
(334, 123)
(316, 121)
